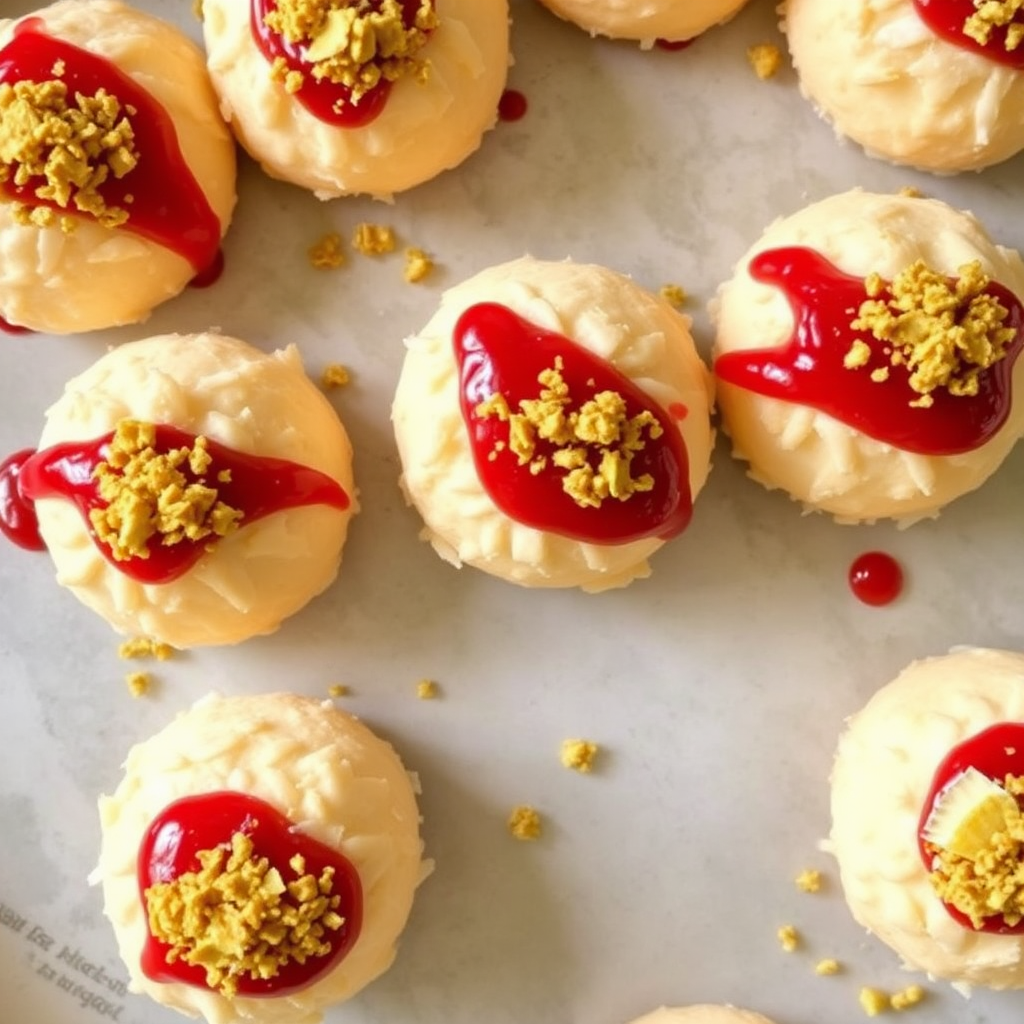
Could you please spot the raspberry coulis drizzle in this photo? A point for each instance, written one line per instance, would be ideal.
(194, 824)
(500, 352)
(18, 521)
(876, 578)
(167, 205)
(808, 368)
(946, 19)
(257, 487)
(995, 752)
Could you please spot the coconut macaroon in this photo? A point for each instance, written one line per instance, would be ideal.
(704, 1013)
(218, 489)
(667, 20)
(353, 97)
(941, 98)
(122, 190)
(287, 809)
(926, 826)
(552, 421)
(866, 356)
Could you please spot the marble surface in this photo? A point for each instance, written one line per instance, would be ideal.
(716, 688)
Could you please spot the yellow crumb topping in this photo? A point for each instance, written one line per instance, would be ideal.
(599, 431)
(873, 1001)
(826, 968)
(373, 239)
(338, 690)
(143, 647)
(910, 192)
(327, 253)
(579, 755)
(907, 997)
(789, 937)
(427, 689)
(138, 683)
(149, 494)
(673, 294)
(236, 916)
(765, 59)
(945, 332)
(809, 880)
(524, 823)
(418, 266)
(335, 375)
(73, 144)
(991, 14)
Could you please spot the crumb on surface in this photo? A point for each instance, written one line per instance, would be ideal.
(873, 1001)
(765, 59)
(138, 683)
(827, 968)
(427, 689)
(524, 822)
(418, 265)
(327, 252)
(991, 14)
(579, 755)
(907, 997)
(910, 192)
(809, 880)
(143, 647)
(789, 938)
(373, 239)
(673, 294)
(338, 690)
(335, 375)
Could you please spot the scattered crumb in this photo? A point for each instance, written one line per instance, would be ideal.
(524, 823)
(789, 937)
(418, 265)
(992, 14)
(338, 690)
(809, 880)
(373, 239)
(335, 375)
(765, 59)
(905, 998)
(143, 647)
(826, 968)
(873, 1001)
(673, 294)
(579, 755)
(327, 253)
(427, 689)
(138, 683)
(911, 192)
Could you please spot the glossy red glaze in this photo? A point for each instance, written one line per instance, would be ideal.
(211, 275)
(512, 106)
(500, 352)
(675, 44)
(809, 369)
(258, 487)
(946, 19)
(996, 752)
(167, 205)
(18, 521)
(193, 824)
(876, 578)
(9, 328)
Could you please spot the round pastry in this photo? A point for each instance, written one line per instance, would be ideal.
(926, 823)
(701, 1014)
(192, 489)
(259, 859)
(344, 97)
(935, 84)
(120, 193)
(666, 20)
(867, 356)
(552, 421)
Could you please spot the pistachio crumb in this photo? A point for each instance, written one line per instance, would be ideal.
(673, 294)
(418, 265)
(873, 1001)
(765, 59)
(143, 647)
(138, 683)
(327, 252)
(809, 880)
(789, 937)
(335, 375)
(579, 755)
(827, 967)
(524, 823)
(907, 997)
(373, 239)
(338, 690)
(427, 689)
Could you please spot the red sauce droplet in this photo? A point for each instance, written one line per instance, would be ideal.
(678, 411)
(211, 275)
(9, 328)
(500, 352)
(328, 101)
(166, 204)
(18, 521)
(946, 19)
(996, 752)
(197, 823)
(512, 106)
(675, 44)
(876, 578)
(809, 369)
(257, 486)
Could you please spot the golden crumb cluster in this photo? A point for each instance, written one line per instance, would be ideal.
(873, 1001)
(149, 495)
(789, 938)
(673, 294)
(427, 689)
(327, 253)
(990, 14)
(765, 59)
(335, 375)
(524, 823)
(599, 430)
(143, 647)
(236, 916)
(578, 755)
(71, 146)
(809, 880)
(373, 239)
(944, 331)
(353, 43)
(138, 683)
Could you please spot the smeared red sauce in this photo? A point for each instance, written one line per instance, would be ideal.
(876, 578)
(258, 487)
(211, 275)
(809, 369)
(512, 106)
(18, 521)
(328, 101)
(167, 205)
(9, 328)
(678, 411)
(198, 823)
(675, 44)
(946, 19)
(500, 352)
(996, 752)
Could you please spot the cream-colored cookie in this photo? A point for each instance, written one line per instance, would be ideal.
(433, 119)
(248, 581)
(627, 328)
(826, 464)
(328, 774)
(882, 77)
(75, 273)
(704, 1013)
(884, 769)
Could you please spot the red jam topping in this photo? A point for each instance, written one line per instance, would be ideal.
(257, 487)
(198, 823)
(165, 203)
(330, 102)
(500, 353)
(809, 368)
(996, 752)
(18, 521)
(947, 18)
(675, 44)
(9, 328)
(512, 106)
(876, 578)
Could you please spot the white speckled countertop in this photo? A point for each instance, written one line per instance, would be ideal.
(716, 688)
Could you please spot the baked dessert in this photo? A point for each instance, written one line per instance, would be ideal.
(259, 859)
(866, 356)
(552, 422)
(664, 20)
(704, 1013)
(192, 489)
(120, 193)
(926, 823)
(934, 84)
(358, 96)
